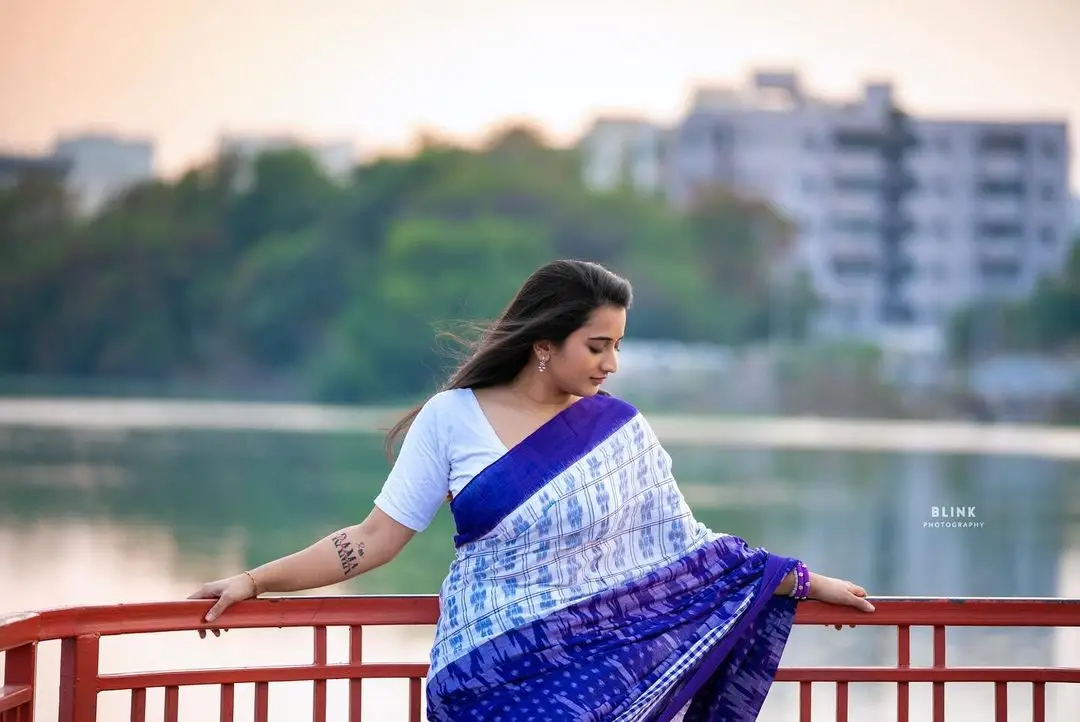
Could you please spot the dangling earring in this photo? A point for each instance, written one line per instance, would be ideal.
(543, 365)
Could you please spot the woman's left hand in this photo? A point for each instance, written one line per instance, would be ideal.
(839, 592)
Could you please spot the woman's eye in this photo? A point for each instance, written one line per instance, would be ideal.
(596, 350)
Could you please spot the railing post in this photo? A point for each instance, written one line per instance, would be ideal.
(79, 678)
(20, 668)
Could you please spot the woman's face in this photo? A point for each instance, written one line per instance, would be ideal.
(589, 354)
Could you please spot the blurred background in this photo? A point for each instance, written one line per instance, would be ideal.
(230, 232)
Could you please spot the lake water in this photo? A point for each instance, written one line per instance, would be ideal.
(110, 515)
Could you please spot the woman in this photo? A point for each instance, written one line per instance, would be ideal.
(582, 587)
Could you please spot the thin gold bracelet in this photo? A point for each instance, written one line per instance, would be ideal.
(254, 583)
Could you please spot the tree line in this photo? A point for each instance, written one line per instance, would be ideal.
(270, 277)
(1048, 321)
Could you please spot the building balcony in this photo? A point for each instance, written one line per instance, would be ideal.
(1001, 209)
(1002, 166)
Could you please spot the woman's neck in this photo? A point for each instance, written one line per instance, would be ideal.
(538, 391)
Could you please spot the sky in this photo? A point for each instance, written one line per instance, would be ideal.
(380, 72)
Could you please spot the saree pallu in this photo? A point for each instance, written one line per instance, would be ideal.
(583, 588)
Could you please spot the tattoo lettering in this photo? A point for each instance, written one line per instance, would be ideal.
(348, 555)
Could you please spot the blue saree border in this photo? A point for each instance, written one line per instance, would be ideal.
(776, 568)
(513, 478)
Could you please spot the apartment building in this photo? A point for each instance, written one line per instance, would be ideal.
(336, 158)
(92, 167)
(901, 220)
(103, 165)
(990, 210)
(15, 168)
(624, 151)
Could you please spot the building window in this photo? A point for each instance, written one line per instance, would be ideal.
(999, 230)
(941, 229)
(1002, 142)
(992, 187)
(1048, 193)
(1047, 235)
(1049, 149)
(999, 270)
(849, 268)
(854, 224)
(857, 183)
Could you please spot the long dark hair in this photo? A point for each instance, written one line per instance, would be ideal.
(552, 303)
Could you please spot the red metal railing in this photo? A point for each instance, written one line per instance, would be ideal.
(80, 630)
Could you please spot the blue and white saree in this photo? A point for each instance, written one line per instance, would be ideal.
(583, 589)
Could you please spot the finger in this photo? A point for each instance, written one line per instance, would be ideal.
(216, 610)
(202, 634)
(858, 591)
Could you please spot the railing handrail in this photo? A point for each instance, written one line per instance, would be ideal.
(423, 609)
(82, 680)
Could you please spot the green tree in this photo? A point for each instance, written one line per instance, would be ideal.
(1048, 321)
(269, 274)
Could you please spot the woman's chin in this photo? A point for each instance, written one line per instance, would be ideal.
(589, 388)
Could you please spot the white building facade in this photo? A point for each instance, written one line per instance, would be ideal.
(901, 220)
(625, 152)
(336, 158)
(102, 166)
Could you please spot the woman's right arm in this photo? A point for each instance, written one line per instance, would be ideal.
(336, 557)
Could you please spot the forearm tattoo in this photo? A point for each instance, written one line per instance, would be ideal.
(348, 553)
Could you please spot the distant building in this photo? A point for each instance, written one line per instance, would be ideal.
(336, 158)
(624, 152)
(1023, 387)
(990, 211)
(103, 166)
(901, 220)
(14, 168)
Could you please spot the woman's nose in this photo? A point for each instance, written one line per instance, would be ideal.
(610, 363)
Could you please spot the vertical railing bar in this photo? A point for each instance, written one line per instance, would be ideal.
(79, 678)
(903, 661)
(939, 663)
(172, 704)
(262, 701)
(841, 702)
(1038, 702)
(414, 699)
(1001, 702)
(805, 700)
(227, 694)
(356, 649)
(138, 704)
(20, 668)
(318, 712)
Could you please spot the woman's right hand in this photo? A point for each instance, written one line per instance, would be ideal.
(226, 591)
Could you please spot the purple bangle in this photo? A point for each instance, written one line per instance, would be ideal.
(801, 589)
